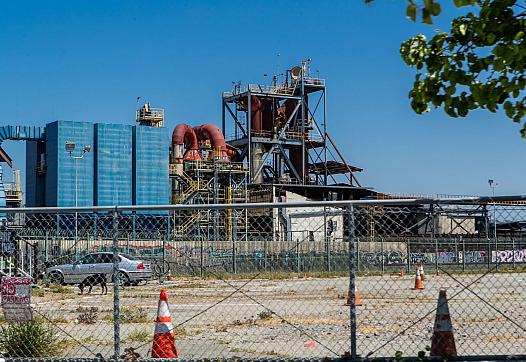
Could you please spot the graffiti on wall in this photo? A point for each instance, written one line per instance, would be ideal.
(509, 256)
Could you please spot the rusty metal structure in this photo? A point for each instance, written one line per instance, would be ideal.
(278, 148)
(280, 132)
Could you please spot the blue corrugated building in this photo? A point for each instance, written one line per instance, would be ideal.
(60, 167)
(113, 164)
(151, 182)
(126, 165)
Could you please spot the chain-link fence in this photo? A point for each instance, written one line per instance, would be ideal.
(268, 281)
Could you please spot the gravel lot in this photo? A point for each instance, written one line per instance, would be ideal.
(298, 317)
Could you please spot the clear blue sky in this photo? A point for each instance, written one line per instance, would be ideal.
(88, 60)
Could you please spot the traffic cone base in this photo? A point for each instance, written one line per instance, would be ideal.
(164, 338)
(357, 300)
(443, 341)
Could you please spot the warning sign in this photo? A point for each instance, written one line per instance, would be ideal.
(16, 298)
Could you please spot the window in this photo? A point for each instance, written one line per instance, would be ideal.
(89, 259)
(105, 258)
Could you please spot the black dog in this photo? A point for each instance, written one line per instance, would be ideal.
(93, 280)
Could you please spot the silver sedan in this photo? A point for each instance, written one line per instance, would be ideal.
(131, 270)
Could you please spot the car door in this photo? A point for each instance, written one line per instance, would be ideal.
(104, 264)
(83, 268)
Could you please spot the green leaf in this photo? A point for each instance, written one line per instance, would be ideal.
(462, 29)
(435, 9)
(491, 38)
(426, 16)
(411, 12)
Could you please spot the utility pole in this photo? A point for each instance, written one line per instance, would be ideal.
(70, 147)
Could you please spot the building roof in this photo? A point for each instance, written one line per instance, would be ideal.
(333, 167)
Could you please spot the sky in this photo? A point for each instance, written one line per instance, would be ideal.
(90, 60)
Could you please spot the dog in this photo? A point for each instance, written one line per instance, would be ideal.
(93, 280)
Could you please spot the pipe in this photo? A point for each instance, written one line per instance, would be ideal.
(184, 134)
(217, 140)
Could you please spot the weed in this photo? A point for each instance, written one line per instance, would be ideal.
(30, 339)
(60, 319)
(139, 336)
(180, 331)
(87, 315)
(37, 292)
(133, 315)
(266, 314)
(60, 289)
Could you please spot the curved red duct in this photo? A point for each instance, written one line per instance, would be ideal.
(217, 140)
(184, 134)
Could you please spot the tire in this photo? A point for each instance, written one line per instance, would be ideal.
(124, 279)
(56, 278)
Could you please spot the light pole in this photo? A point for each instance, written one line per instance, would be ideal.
(494, 185)
(70, 147)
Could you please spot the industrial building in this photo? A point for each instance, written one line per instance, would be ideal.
(278, 148)
(111, 164)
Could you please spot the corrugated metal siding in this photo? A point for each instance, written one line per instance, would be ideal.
(150, 166)
(60, 175)
(113, 164)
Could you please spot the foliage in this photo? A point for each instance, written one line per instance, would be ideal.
(139, 336)
(421, 356)
(478, 64)
(133, 315)
(29, 339)
(87, 315)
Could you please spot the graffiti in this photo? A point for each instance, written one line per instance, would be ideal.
(445, 257)
(441, 257)
(472, 257)
(421, 258)
(385, 257)
(509, 256)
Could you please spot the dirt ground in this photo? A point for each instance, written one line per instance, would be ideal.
(296, 317)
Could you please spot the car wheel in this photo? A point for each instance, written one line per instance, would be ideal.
(56, 278)
(124, 279)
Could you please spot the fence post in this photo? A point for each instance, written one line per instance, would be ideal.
(116, 285)
(298, 256)
(513, 251)
(408, 251)
(463, 255)
(383, 255)
(352, 278)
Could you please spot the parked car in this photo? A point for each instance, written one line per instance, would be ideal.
(131, 270)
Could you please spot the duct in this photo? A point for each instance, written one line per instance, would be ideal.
(217, 140)
(184, 134)
(256, 162)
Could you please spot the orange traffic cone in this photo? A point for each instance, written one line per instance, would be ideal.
(419, 284)
(357, 300)
(164, 338)
(422, 275)
(401, 274)
(443, 342)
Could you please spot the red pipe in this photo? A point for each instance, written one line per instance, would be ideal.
(184, 134)
(217, 140)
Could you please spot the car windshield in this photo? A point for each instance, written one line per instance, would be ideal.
(127, 256)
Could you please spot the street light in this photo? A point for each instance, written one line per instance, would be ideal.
(70, 147)
(493, 186)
